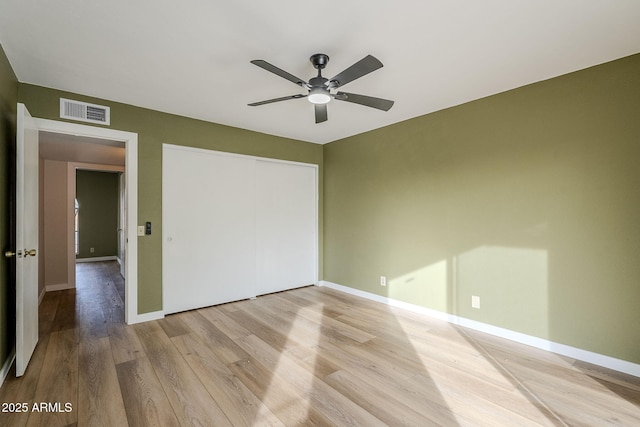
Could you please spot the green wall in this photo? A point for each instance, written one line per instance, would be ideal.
(529, 199)
(97, 195)
(155, 128)
(8, 102)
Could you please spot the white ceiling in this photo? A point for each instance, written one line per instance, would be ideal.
(191, 57)
(79, 149)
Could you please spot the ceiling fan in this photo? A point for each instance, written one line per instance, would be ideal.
(321, 90)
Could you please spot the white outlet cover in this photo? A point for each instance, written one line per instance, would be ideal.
(383, 281)
(475, 302)
(141, 230)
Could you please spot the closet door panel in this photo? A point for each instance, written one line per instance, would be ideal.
(286, 226)
(208, 228)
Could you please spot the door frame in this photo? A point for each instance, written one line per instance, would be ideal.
(130, 140)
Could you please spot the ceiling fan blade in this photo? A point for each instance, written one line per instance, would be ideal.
(279, 72)
(284, 98)
(321, 113)
(363, 67)
(369, 101)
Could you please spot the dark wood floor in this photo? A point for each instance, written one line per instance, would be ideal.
(310, 356)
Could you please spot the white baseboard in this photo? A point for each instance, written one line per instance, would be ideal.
(146, 317)
(98, 258)
(6, 366)
(58, 287)
(562, 349)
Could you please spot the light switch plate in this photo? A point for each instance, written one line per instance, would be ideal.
(141, 230)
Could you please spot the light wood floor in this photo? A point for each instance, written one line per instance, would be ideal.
(311, 356)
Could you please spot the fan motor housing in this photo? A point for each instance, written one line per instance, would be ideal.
(319, 60)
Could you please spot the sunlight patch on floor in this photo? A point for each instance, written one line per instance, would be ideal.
(462, 363)
(305, 332)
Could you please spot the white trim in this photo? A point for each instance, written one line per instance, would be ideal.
(147, 317)
(131, 164)
(41, 297)
(98, 259)
(58, 287)
(562, 349)
(6, 367)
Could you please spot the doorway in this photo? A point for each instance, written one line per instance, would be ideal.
(96, 228)
(109, 138)
(63, 157)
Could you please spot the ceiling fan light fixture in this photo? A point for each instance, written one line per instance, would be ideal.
(320, 87)
(319, 95)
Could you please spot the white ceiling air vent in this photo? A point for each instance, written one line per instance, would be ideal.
(84, 112)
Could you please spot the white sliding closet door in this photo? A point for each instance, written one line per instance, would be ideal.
(208, 228)
(285, 226)
(234, 227)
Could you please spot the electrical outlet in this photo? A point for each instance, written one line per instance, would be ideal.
(92, 250)
(475, 302)
(383, 281)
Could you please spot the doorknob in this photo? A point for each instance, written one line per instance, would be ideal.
(9, 254)
(31, 252)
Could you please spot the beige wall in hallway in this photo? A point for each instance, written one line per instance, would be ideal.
(55, 223)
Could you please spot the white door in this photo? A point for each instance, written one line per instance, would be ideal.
(286, 211)
(208, 228)
(26, 239)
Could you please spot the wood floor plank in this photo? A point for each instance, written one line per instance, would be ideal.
(380, 403)
(145, 401)
(113, 304)
(588, 396)
(326, 400)
(309, 356)
(173, 325)
(316, 316)
(297, 330)
(277, 339)
(313, 360)
(90, 319)
(625, 385)
(65, 317)
(297, 300)
(219, 343)
(234, 398)
(227, 325)
(277, 394)
(189, 399)
(469, 408)
(23, 389)
(125, 344)
(98, 378)
(47, 312)
(58, 382)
